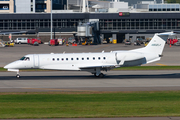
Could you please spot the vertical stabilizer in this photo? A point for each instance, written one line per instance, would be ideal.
(157, 43)
(153, 51)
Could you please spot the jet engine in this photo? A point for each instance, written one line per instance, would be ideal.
(130, 58)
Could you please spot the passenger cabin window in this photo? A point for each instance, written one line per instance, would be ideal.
(104, 58)
(77, 58)
(99, 58)
(87, 58)
(53, 59)
(82, 58)
(62, 59)
(93, 58)
(71, 58)
(66, 58)
(57, 59)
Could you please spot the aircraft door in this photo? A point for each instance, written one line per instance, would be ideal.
(36, 61)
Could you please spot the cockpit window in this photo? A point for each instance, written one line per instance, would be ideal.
(22, 58)
(25, 58)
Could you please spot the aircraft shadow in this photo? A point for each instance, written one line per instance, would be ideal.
(88, 77)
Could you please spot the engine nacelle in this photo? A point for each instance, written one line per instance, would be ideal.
(130, 58)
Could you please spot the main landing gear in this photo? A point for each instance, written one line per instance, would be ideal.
(98, 73)
(101, 75)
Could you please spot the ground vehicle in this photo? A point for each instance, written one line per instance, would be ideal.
(104, 42)
(9, 44)
(20, 40)
(141, 40)
(6, 44)
(53, 42)
(34, 41)
(127, 42)
(71, 40)
(146, 43)
(171, 41)
(137, 42)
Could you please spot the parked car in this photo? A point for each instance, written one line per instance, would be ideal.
(71, 40)
(127, 42)
(177, 43)
(20, 40)
(104, 41)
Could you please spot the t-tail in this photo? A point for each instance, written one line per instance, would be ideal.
(153, 51)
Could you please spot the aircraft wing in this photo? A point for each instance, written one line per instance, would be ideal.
(97, 66)
(61, 67)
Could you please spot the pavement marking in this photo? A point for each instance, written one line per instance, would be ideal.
(160, 64)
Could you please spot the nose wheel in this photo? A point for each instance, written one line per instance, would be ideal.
(18, 76)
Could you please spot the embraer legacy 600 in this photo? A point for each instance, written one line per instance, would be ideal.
(93, 62)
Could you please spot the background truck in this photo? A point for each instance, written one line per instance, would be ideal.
(171, 41)
(34, 41)
(20, 40)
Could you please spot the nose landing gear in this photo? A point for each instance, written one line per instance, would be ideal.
(18, 75)
(15, 70)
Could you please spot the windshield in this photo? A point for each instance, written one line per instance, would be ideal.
(25, 58)
(22, 58)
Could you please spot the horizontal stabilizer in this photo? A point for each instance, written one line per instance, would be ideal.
(166, 34)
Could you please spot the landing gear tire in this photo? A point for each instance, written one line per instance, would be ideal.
(101, 75)
(18, 76)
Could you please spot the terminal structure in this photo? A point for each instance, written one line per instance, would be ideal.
(124, 19)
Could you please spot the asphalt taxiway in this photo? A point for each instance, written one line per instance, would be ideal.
(84, 81)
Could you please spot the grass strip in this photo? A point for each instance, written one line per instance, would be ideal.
(149, 68)
(89, 105)
(122, 68)
(2, 69)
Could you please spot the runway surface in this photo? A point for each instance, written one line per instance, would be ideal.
(68, 81)
(84, 81)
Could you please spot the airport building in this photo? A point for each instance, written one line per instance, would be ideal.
(127, 19)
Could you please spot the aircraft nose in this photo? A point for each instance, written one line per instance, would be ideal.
(11, 65)
(7, 66)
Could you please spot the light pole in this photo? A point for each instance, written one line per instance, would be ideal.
(51, 19)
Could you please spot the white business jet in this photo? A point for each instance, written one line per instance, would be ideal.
(93, 62)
